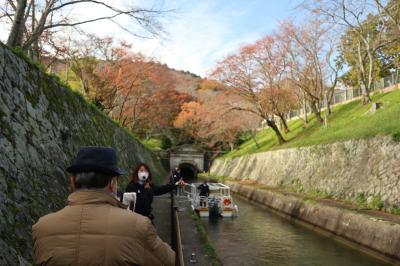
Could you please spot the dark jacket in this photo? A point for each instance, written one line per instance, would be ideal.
(144, 197)
(176, 175)
(204, 190)
(95, 229)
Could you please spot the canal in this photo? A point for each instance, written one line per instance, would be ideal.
(260, 237)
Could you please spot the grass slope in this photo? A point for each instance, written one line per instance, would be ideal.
(153, 144)
(348, 121)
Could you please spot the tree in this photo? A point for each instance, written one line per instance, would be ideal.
(272, 76)
(310, 49)
(31, 18)
(357, 57)
(213, 123)
(189, 119)
(161, 109)
(366, 25)
(99, 64)
(238, 72)
(391, 9)
(121, 85)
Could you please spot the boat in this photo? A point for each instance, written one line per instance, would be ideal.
(218, 203)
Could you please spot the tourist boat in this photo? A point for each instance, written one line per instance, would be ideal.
(218, 203)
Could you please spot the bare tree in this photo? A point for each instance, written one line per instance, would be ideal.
(356, 17)
(30, 20)
(310, 51)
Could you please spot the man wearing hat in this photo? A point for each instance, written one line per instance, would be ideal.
(95, 228)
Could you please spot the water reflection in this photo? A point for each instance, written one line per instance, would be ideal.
(259, 237)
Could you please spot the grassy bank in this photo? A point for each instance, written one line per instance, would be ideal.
(152, 144)
(348, 121)
(208, 248)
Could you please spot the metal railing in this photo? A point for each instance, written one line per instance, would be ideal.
(348, 94)
(176, 233)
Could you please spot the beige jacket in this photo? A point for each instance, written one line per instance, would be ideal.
(94, 229)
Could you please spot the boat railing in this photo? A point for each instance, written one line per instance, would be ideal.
(200, 201)
(186, 190)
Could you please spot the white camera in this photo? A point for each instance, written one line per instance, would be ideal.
(129, 199)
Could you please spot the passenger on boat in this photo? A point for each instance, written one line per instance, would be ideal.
(176, 175)
(142, 185)
(204, 189)
(204, 192)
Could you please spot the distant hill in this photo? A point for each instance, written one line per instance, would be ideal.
(185, 81)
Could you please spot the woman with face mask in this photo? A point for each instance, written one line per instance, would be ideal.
(145, 190)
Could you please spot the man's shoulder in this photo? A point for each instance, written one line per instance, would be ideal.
(123, 216)
(50, 219)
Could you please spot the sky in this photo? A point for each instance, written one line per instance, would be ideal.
(201, 32)
(197, 33)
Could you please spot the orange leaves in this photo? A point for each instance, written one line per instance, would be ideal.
(257, 73)
(189, 118)
(210, 84)
(163, 106)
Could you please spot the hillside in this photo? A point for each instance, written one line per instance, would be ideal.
(348, 121)
(183, 81)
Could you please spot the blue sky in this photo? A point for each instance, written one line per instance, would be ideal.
(202, 32)
(199, 32)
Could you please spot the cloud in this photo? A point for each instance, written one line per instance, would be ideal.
(197, 34)
(200, 35)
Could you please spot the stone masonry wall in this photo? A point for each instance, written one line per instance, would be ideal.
(343, 169)
(43, 124)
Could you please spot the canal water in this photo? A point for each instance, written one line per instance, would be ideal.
(260, 237)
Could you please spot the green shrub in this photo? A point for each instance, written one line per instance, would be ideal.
(376, 203)
(297, 186)
(319, 194)
(280, 183)
(361, 200)
(166, 143)
(396, 136)
(394, 210)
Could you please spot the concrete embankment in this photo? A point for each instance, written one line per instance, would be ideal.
(375, 236)
(368, 167)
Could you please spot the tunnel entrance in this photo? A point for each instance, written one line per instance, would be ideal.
(188, 172)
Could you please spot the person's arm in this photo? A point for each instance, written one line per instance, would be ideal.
(157, 251)
(160, 190)
(129, 187)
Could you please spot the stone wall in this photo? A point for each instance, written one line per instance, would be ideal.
(343, 169)
(43, 124)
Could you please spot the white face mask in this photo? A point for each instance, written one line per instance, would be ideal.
(142, 176)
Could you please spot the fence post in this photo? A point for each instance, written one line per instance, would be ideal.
(173, 229)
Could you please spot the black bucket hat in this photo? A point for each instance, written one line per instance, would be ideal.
(96, 159)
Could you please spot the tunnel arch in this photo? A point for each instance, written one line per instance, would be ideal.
(188, 172)
(189, 159)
